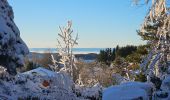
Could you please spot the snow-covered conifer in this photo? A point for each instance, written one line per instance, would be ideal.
(12, 47)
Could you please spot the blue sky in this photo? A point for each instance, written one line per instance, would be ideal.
(99, 23)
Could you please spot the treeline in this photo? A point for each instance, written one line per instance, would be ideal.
(125, 51)
(107, 55)
(130, 53)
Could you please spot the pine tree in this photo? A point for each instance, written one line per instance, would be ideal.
(106, 56)
(156, 30)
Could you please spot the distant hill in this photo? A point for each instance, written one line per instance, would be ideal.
(89, 56)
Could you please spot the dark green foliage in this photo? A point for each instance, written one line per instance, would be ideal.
(119, 65)
(150, 31)
(142, 49)
(31, 65)
(106, 56)
(118, 60)
(147, 36)
(136, 56)
(117, 48)
(125, 51)
(157, 82)
(141, 77)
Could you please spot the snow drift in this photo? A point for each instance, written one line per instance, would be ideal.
(128, 91)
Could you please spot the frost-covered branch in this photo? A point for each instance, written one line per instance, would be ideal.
(66, 42)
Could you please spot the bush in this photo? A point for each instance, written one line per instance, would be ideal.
(92, 73)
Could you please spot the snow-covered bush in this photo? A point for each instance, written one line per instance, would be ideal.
(2, 71)
(12, 47)
(4, 75)
(93, 73)
(118, 79)
(92, 93)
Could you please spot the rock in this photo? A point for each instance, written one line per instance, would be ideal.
(46, 83)
(12, 47)
(56, 87)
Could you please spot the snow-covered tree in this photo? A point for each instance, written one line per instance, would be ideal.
(12, 47)
(66, 42)
(156, 30)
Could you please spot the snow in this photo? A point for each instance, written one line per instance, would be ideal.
(46, 85)
(128, 91)
(161, 95)
(166, 84)
(145, 61)
(40, 71)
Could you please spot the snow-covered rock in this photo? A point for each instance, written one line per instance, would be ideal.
(40, 71)
(44, 84)
(52, 86)
(12, 47)
(128, 91)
